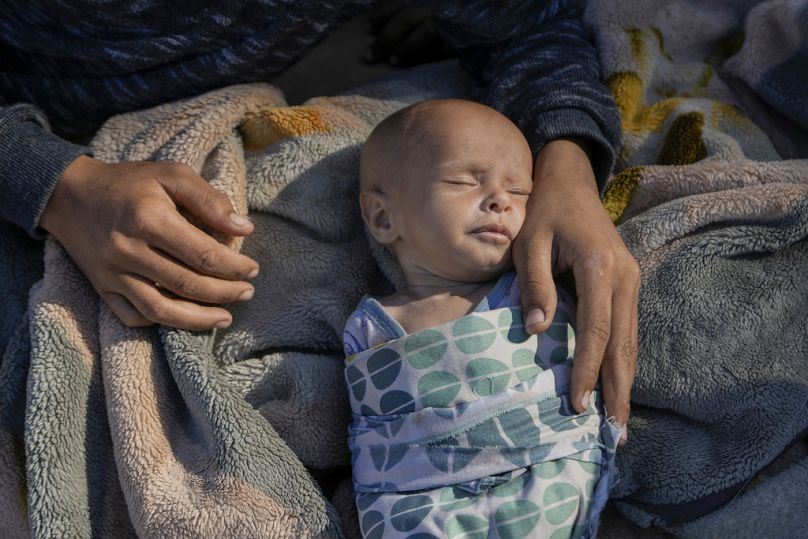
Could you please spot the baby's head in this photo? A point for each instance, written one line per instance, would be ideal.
(444, 185)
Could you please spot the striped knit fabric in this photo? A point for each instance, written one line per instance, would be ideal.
(80, 62)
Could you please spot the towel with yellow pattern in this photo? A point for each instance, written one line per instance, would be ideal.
(712, 98)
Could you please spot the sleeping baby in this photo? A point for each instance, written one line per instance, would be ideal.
(462, 423)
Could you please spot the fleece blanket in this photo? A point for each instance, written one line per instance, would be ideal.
(156, 432)
(112, 431)
(718, 223)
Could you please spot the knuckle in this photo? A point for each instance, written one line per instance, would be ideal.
(175, 168)
(218, 201)
(119, 244)
(207, 260)
(626, 350)
(126, 316)
(596, 266)
(633, 350)
(599, 331)
(142, 220)
(153, 311)
(605, 261)
(588, 370)
(213, 200)
(186, 286)
(632, 269)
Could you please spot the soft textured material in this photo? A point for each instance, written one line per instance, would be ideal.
(371, 324)
(81, 61)
(718, 224)
(112, 431)
(109, 430)
(467, 428)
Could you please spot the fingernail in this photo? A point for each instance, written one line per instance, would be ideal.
(247, 294)
(536, 316)
(624, 436)
(221, 324)
(238, 220)
(253, 273)
(585, 400)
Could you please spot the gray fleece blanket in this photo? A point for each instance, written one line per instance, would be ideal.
(112, 431)
(718, 224)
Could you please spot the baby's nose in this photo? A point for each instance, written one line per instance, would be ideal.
(499, 202)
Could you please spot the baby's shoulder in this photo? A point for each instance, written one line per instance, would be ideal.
(368, 325)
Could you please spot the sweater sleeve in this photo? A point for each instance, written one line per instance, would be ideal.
(535, 64)
(32, 159)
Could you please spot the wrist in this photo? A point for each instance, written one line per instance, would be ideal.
(70, 183)
(565, 162)
(584, 144)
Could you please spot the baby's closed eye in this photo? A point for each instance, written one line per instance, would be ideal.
(461, 181)
(519, 191)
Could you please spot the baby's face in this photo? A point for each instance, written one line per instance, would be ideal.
(463, 200)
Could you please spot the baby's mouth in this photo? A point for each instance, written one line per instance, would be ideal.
(494, 231)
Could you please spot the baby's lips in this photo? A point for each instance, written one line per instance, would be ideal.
(497, 228)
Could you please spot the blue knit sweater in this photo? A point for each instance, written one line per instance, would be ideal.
(70, 64)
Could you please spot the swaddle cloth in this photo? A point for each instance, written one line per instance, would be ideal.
(466, 429)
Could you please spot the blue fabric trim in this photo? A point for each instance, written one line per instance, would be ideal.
(497, 294)
(374, 310)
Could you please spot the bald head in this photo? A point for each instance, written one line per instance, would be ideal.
(432, 175)
(414, 131)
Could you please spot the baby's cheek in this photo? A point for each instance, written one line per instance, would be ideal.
(519, 221)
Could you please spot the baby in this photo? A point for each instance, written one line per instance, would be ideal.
(462, 423)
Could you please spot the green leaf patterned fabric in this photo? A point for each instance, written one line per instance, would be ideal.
(475, 436)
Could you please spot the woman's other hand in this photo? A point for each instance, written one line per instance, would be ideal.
(405, 36)
(567, 229)
(121, 225)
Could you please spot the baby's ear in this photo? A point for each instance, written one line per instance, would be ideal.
(376, 210)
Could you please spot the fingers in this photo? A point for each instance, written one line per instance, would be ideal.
(620, 359)
(422, 45)
(175, 312)
(213, 208)
(394, 31)
(379, 16)
(594, 322)
(156, 267)
(125, 311)
(533, 259)
(200, 252)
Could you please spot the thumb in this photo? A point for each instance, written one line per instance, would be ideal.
(538, 293)
(213, 208)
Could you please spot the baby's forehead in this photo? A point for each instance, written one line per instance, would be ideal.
(447, 134)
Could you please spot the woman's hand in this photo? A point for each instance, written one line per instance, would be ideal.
(121, 226)
(405, 36)
(566, 229)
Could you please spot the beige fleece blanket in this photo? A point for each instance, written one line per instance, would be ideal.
(235, 433)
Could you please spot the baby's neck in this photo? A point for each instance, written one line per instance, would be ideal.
(442, 290)
(428, 303)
